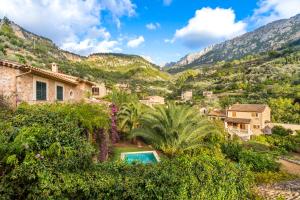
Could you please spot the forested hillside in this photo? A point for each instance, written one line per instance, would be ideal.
(272, 77)
(19, 45)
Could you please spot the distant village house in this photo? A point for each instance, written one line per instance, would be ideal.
(99, 90)
(187, 95)
(153, 100)
(207, 94)
(217, 114)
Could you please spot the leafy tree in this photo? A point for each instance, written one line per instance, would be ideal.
(285, 110)
(174, 128)
(121, 97)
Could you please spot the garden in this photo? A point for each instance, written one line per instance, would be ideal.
(72, 151)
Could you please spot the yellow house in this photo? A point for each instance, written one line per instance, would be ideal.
(24, 83)
(245, 120)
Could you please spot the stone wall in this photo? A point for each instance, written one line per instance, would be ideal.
(21, 87)
(8, 84)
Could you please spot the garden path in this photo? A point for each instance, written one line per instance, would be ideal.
(289, 190)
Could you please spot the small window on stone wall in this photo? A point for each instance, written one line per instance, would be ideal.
(71, 94)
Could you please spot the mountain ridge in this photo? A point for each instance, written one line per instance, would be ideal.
(272, 36)
(18, 44)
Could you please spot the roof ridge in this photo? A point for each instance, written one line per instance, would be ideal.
(64, 77)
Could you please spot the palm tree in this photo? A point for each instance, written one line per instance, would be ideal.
(174, 129)
(130, 116)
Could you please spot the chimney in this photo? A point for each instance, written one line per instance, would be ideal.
(54, 67)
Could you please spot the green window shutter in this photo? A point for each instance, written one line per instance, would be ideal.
(59, 93)
(41, 91)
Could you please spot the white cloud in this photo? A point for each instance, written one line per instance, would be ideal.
(119, 8)
(135, 42)
(152, 26)
(209, 26)
(270, 10)
(69, 23)
(88, 46)
(167, 2)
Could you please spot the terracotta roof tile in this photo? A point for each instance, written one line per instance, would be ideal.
(248, 107)
(219, 113)
(39, 71)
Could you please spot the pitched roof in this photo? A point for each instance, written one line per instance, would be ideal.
(218, 113)
(238, 120)
(248, 107)
(45, 73)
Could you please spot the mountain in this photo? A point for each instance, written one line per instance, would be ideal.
(18, 44)
(189, 58)
(272, 36)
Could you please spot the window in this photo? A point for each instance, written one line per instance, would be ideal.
(71, 94)
(254, 114)
(95, 91)
(256, 126)
(242, 126)
(59, 93)
(233, 114)
(41, 91)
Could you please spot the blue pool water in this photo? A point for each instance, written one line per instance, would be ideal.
(144, 158)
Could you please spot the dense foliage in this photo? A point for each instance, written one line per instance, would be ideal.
(258, 161)
(45, 153)
(174, 128)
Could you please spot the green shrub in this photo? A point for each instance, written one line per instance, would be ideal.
(284, 143)
(279, 130)
(2, 49)
(273, 177)
(204, 177)
(258, 162)
(232, 150)
(44, 154)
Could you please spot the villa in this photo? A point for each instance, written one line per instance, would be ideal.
(207, 94)
(217, 114)
(23, 83)
(245, 120)
(187, 95)
(153, 100)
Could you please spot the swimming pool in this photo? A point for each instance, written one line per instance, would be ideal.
(145, 157)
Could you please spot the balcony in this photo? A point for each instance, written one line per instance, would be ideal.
(242, 133)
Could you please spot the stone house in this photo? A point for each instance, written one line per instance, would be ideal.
(207, 94)
(153, 100)
(99, 90)
(187, 95)
(23, 83)
(245, 120)
(217, 114)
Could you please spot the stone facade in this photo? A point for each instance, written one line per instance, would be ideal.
(187, 95)
(247, 119)
(153, 100)
(99, 90)
(18, 84)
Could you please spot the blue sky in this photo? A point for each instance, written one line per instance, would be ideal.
(159, 30)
